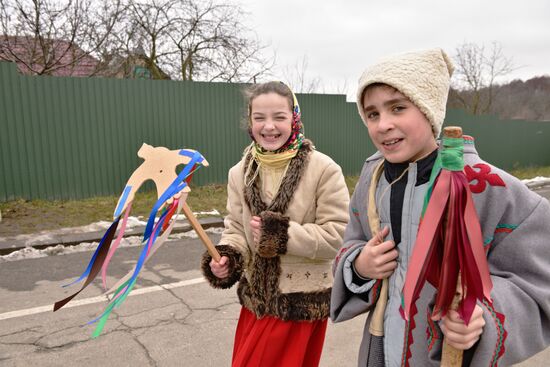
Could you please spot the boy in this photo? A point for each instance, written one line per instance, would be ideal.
(402, 102)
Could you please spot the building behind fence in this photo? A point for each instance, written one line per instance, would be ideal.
(70, 138)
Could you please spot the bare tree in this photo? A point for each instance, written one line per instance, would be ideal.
(297, 77)
(181, 39)
(48, 37)
(149, 25)
(196, 40)
(477, 70)
(217, 46)
(340, 87)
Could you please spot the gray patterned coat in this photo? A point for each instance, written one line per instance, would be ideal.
(515, 223)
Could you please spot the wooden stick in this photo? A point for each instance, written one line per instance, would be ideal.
(452, 132)
(376, 326)
(450, 356)
(200, 232)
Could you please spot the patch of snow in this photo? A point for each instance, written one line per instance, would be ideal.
(32, 253)
(100, 226)
(212, 212)
(193, 234)
(536, 181)
(132, 241)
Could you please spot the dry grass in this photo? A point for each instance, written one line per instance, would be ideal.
(21, 216)
(530, 172)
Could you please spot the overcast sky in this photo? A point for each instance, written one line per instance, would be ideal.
(340, 38)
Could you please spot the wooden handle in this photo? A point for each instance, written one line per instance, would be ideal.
(201, 233)
(376, 326)
(452, 132)
(450, 356)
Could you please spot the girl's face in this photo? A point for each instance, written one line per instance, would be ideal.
(271, 119)
(398, 129)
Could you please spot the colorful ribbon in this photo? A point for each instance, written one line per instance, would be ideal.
(449, 243)
(104, 252)
(449, 239)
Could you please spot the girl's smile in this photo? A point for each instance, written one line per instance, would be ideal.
(271, 119)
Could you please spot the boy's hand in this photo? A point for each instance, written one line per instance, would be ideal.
(459, 335)
(220, 269)
(256, 227)
(377, 259)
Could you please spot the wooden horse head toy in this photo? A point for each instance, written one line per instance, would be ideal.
(160, 166)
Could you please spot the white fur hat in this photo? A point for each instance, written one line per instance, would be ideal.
(422, 76)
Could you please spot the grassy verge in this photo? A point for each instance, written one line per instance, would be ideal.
(520, 173)
(530, 172)
(20, 216)
(201, 199)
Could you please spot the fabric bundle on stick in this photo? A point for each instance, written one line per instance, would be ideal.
(449, 245)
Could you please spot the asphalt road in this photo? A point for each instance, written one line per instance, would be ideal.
(172, 318)
(184, 322)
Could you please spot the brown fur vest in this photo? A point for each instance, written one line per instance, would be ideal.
(262, 295)
(260, 292)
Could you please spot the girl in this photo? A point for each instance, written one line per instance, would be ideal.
(287, 210)
(402, 102)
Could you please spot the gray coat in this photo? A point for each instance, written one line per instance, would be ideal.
(515, 223)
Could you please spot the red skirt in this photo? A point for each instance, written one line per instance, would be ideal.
(270, 341)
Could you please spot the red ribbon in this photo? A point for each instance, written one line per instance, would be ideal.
(449, 242)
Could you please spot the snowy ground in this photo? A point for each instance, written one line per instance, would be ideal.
(31, 253)
(132, 241)
(539, 180)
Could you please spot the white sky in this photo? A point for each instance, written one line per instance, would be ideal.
(340, 38)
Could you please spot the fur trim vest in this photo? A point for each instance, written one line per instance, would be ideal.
(275, 278)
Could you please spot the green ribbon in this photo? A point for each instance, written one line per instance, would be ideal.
(451, 158)
(103, 318)
(452, 154)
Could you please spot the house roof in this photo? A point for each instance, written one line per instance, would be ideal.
(28, 53)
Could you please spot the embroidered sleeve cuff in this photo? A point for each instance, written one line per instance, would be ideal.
(274, 238)
(235, 267)
(349, 278)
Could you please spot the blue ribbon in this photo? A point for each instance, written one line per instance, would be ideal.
(176, 186)
(113, 227)
(122, 201)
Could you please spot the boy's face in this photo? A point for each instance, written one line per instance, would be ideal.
(398, 129)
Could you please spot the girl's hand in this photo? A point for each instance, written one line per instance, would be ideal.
(220, 269)
(377, 259)
(459, 335)
(256, 227)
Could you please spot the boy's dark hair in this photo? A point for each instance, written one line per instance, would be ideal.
(375, 85)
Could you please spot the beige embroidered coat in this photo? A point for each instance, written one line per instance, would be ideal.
(288, 274)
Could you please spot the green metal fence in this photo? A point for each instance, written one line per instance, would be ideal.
(68, 138)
